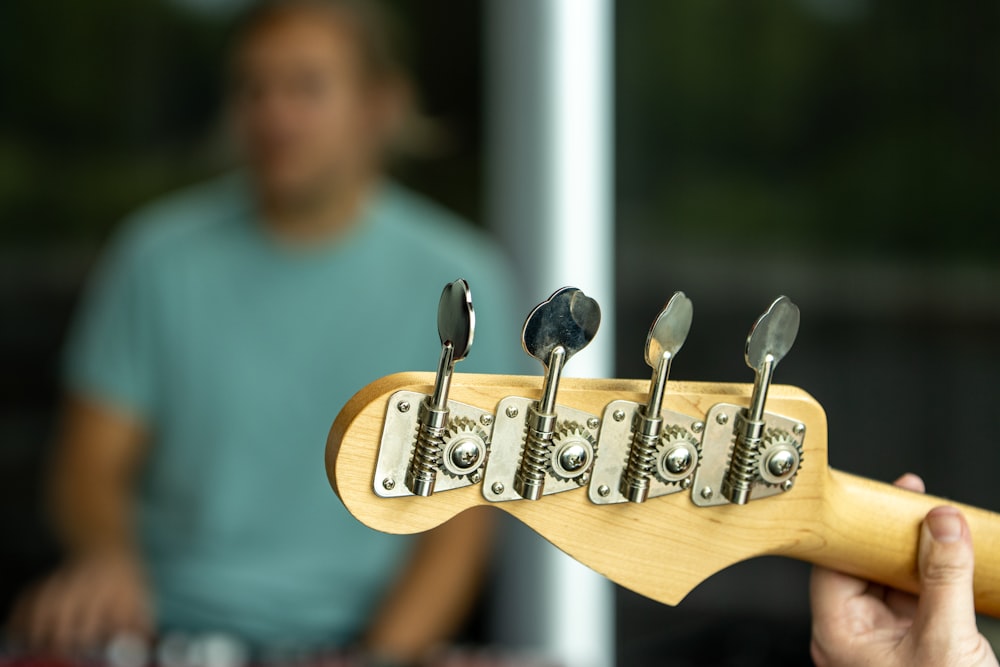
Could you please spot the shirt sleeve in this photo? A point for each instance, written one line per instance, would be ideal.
(109, 356)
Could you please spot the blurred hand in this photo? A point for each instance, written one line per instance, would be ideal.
(84, 604)
(856, 622)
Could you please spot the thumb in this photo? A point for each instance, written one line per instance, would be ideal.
(946, 610)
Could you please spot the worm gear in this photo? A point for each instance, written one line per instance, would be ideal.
(464, 448)
(677, 456)
(572, 451)
(779, 458)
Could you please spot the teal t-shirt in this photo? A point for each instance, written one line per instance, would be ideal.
(237, 352)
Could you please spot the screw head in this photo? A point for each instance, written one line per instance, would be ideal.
(722, 419)
(403, 406)
(486, 420)
(593, 423)
(799, 429)
(573, 458)
(707, 493)
(583, 479)
(497, 487)
(511, 411)
(465, 455)
(686, 483)
(781, 462)
(787, 485)
(618, 415)
(388, 484)
(677, 460)
(475, 477)
(697, 427)
(603, 491)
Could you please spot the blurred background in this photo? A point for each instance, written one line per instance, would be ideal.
(843, 152)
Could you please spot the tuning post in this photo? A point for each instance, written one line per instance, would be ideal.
(666, 336)
(770, 339)
(751, 454)
(451, 438)
(655, 452)
(539, 447)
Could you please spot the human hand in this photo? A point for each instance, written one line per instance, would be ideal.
(857, 622)
(84, 604)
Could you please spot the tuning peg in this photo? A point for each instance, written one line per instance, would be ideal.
(456, 326)
(666, 336)
(770, 339)
(554, 331)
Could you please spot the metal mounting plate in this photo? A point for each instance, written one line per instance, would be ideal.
(399, 434)
(614, 443)
(508, 443)
(717, 448)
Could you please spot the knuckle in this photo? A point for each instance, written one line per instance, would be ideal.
(938, 572)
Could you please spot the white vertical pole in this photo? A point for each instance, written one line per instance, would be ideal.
(550, 199)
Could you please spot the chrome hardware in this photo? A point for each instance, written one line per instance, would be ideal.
(456, 326)
(527, 459)
(652, 453)
(780, 457)
(440, 435)
(466, 450)
(770, 339)
(776, 463)
(464, 447)
(573, 450)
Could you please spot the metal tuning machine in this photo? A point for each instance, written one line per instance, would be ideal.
(750, 454)
(646, 451)
(539, 447)
(452, 439)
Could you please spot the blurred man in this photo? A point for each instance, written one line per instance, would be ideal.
(221, 333)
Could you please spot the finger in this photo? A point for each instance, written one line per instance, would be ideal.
(64, 616)
(38, 620)
(902, 604)
(92, 620)
(945, 559)
(830, 590)
(876, 591)
(911, 482)
(130, 611)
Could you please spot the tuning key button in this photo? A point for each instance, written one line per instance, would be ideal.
(451, 438)
(647, 451)
(770, 339)
(539, 447)
(750, 454)
(666, 336)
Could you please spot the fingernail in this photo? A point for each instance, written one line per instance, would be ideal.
(945, 525)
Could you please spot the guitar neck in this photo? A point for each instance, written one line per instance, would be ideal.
(664, 547)
(870, 529)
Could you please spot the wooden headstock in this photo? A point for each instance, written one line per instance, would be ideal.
(666, 546)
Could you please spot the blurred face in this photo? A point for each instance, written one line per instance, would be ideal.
(306, 115)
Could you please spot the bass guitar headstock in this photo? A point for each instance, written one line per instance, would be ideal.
(656, 484)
